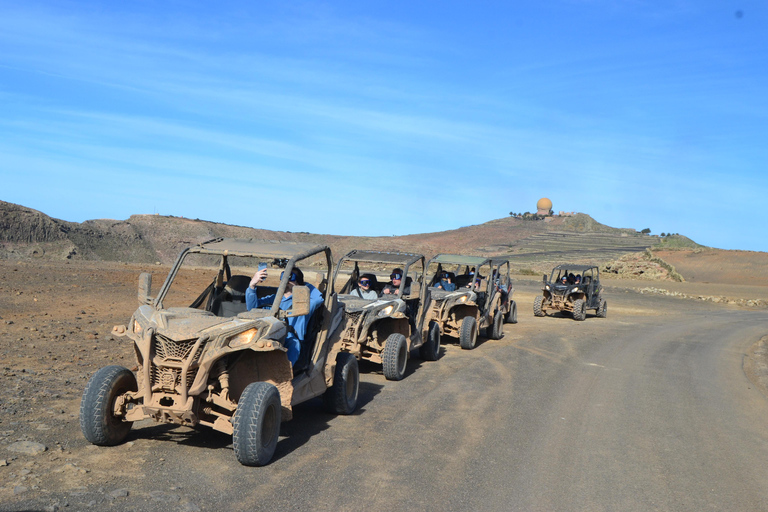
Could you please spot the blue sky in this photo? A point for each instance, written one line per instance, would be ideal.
(381, 118)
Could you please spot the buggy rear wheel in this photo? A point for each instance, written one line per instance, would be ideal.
(256, 424)
(468, 333)
(511, 317)
(341, 397)
(395, 356)
(497, 329)
(430, 350)
(537, 306)
(98, 422)
(602, 309)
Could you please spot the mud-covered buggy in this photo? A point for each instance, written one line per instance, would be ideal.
(384, 327)
(209, 361)
(469, 293)
(572, 288)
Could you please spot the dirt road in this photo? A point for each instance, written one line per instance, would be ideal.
(648, 409)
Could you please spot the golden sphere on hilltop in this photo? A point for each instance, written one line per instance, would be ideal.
(544, 204)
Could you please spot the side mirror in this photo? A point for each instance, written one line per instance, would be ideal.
(300, 302)
(145, 288)
(545, 278)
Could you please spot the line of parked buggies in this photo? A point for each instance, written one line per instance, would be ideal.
(211, 361)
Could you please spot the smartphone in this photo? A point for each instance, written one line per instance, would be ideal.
(262, 266)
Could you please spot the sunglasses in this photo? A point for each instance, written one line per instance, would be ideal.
(365, 282)
(292, 279)
(396, 276)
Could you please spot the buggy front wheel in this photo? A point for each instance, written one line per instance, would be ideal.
(468, 333)
(256, 424)
(395, 356)
(98, 421)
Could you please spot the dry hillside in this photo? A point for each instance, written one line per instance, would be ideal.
(27, 233)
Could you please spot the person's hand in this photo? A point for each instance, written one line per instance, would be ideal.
(386, 291)
(258, 277)
(397, 291)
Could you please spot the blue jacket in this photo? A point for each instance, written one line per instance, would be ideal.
(449, 287)
(299, 323)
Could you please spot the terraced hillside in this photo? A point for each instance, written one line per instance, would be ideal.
(542, 250)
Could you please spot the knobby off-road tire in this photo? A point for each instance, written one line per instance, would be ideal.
(579, 310)
(537, 306)
(98, 422)
(468, 333)
(395, 356)
(497, 329)
(256, 424)
(602, 309)
(341, 397)
(430, 350)
(511, 317)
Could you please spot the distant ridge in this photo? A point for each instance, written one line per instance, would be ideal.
(26, 233)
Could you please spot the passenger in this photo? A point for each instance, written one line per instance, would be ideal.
(365, 290)
(497, 282)
(393, 286)
(294, 339)
(571, 278)
(578, 279)
(446, 283)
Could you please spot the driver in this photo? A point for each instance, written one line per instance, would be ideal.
(446, 283)
(295, 337)
(393, 286)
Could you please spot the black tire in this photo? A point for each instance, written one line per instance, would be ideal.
(256, 424)
(468, 333)
(511, 317)
(602, 309)
(579, 310)
(98, 422)
(341, 397)
(537, 309)
(395, 356)
(497, 329)
(430, 350)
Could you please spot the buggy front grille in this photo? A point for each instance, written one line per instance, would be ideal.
(166, 348)
(170, 359)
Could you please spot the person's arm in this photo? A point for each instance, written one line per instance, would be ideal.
(253, 301)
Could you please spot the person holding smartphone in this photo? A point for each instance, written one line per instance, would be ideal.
(295, 339)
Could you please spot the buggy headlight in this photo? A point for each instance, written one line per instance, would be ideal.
(243, 338)
(546, 287)
(463, 298)
(386, 311)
